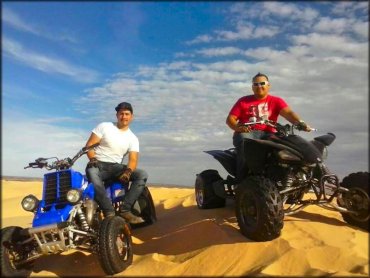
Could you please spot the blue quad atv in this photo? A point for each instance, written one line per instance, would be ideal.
(279, 170)
(67, 217)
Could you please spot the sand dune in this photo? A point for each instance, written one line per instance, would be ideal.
(187, 241)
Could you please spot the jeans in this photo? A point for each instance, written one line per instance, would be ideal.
(238, 142)
(108, 171)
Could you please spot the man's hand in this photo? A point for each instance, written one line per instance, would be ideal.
(92, 163)
(303, 126)
(242, 128)
(125, 176)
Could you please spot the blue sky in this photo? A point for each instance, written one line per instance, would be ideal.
(182, 65)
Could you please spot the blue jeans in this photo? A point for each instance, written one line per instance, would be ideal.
(108, 171)
(238, 142)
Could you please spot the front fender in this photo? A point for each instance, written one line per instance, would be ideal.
(52, 216)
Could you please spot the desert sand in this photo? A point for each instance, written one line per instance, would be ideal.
(186, 241)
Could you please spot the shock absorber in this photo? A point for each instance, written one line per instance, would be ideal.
(330, 181)
(82, 218)
(325, 170)
(289, 179)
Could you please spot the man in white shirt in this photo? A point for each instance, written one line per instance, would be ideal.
(116, 141)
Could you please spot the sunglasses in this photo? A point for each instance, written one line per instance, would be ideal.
(263, 83)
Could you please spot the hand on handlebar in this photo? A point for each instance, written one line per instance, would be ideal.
(242, 128)
(302, 126)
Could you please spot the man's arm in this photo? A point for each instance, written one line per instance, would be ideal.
(91, 141)
(292, 117)
(133, 158)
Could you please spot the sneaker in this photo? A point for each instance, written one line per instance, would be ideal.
(131, 218)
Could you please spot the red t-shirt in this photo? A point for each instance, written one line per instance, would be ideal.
(248, 106)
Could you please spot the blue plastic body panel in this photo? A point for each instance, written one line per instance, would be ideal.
(54, 208)
(56, 184)
(53, 216)
(115, 191)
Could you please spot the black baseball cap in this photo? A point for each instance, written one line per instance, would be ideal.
(124, 106)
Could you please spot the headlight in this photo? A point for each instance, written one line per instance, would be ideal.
(30, 203)
(73, 196)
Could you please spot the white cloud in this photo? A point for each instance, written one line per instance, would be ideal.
(329, 45)
(362, 29)
(200, 39)
(288, 10)
(342, 25)
(348, 8)
(27, 139)
(220, 51)
(243, 31)
(270, 10)
(266, 31)
(270, 14)
(51, 65)
(13, 19)
(263, 53)
(333, 25)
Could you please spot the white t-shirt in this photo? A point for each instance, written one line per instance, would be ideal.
(115, 144)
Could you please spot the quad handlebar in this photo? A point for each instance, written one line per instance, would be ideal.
(281, 129)
(59, 164)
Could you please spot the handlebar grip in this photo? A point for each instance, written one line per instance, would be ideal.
(32, 164)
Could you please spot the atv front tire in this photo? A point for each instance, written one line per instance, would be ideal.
(11, 253)
(204, 192)
(259, 209)
(357, 199)
(114, 245)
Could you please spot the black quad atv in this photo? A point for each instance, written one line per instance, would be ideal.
(280, 169)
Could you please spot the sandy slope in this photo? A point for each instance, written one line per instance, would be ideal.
(187, 241)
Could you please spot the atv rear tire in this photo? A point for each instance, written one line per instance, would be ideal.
(10, 236)
(204, 192)
(357, 199)
(114, 245)
(147, 207)
(259, 209)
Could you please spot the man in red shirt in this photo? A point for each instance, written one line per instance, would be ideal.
(260, 105)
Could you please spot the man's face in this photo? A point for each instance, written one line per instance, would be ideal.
(124, 117)
(260, 87)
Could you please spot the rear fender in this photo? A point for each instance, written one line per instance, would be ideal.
(326, 139)
(323, 141)
(227, 158)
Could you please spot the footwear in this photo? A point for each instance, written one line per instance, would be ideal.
(131, 218)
